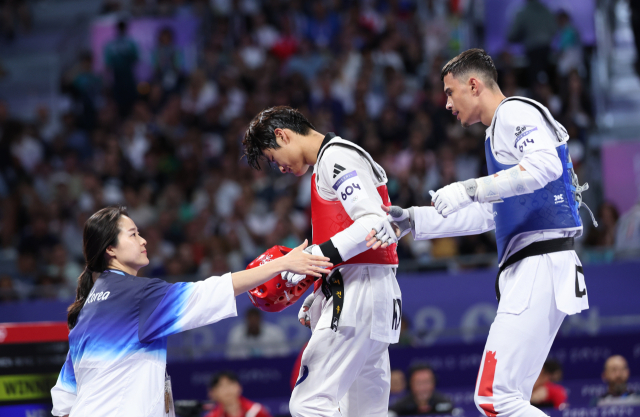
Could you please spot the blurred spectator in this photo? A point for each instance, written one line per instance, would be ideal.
(407, 338)
(634, 6)
(7, 291)
(554, 369)
(546, 393)
(200, 94)
(534, 26)
(616, 376)
(628, 232)
(121, 56)
(605, 234)
(25, 275)
(306, 62)
(14, 15)
(423, 397)
(168, 62)
(87, 88)
(577, 107)
(322, 25)
(255, 338)
(139, 206)
(226, 391)
(398, 388)
(38, 240)
(61, 269)
(26, 149)
(49, 287)
(568, 46)
(47, 125)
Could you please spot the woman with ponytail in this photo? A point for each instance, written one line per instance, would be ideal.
(119, 322)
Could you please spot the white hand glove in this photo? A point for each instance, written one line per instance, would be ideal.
(303, 314)
(451, 198)
(385, 232)
(291, 277)
(402, 220)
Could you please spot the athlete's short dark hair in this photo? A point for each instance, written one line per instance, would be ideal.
(260, 134)
(472, 61)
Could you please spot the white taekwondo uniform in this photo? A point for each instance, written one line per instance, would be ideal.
(345, 370)
(537, 292)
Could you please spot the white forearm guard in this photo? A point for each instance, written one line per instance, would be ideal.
(506, 183)
(352, 240)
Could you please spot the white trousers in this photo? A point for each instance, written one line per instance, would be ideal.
(524, 329)
(344, 373)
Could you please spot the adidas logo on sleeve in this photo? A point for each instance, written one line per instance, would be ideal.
(337, 170)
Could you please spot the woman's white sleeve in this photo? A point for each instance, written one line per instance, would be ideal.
(472, 220)
(64, 392)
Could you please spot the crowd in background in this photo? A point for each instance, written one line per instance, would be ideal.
(169, 148)
(415, 391)
(15, 18)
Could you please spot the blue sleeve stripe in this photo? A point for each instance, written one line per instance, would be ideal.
(67, 375)
(164, 320)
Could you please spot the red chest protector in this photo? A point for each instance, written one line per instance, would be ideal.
(330, 217)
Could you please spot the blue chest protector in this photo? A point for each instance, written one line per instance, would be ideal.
(553, 207)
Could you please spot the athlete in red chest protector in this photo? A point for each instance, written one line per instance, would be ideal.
(345, 368)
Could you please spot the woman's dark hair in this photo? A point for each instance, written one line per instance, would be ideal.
(100, 231)
(472, 61)
(261, 132)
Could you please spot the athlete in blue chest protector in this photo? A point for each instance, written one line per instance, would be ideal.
(120, 322)
(531, 198)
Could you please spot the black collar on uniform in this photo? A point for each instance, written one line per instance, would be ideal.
(326, 140)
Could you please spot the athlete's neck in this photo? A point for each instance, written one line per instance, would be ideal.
(311, 149)
(115, 264)
(489, 104)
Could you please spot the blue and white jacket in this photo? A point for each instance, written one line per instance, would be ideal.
(118, 348)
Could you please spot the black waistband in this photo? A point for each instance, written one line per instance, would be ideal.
(536, 248)
(334, 288)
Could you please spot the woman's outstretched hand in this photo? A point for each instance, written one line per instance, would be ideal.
(300, 261)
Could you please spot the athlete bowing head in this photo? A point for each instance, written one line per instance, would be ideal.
(283, 137)
(350, 338)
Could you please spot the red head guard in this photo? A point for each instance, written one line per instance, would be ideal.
(274, 295)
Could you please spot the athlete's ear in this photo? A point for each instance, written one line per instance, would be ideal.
(282, 135)
(474, 84)
(109, 251)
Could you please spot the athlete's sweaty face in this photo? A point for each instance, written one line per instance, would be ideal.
(288, 157)
(461, 101)
(131, 249)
